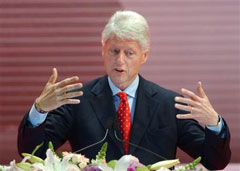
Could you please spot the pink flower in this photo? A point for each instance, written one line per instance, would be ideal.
(65, 153)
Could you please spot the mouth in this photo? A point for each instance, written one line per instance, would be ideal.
(119, 70)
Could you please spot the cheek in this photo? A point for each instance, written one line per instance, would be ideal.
(132, 66)
(107, 62)
(135, 66)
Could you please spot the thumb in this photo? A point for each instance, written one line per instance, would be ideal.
(200, 90)
(53, 77)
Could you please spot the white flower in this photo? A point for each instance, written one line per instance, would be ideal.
(53, 163)
(4, 168)
(78, 158)
(124, 161)
(75, 158)
(13, 167)
(163, 169)
(82, 165)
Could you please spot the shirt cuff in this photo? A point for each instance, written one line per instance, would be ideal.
(35, 117)
(218, 128)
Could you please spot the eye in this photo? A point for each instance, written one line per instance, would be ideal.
(129, 53)
(114, 51)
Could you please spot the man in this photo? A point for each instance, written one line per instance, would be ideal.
(148, 115)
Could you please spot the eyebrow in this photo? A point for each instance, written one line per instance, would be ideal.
(116, 47)
(130, 49)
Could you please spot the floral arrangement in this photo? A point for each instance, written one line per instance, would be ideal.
(76, 162)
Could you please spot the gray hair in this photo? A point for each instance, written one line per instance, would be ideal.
(128, 25)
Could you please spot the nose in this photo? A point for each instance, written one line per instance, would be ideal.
(120, 58)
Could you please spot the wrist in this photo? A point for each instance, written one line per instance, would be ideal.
(38, 108)
(216, 123)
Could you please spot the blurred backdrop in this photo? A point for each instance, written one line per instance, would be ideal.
(190, 41)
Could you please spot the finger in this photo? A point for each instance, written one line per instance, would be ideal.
(200, 90)
(186, 101)
(72, 95)
(183, 107)
(53, 77)
(185, 116)
(191, 94)
(68, 88)
(190, 109)
(70, 101)
(67, 81)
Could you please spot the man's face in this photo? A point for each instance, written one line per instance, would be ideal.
(122, 60)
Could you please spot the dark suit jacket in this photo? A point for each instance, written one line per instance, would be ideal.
(154, 127)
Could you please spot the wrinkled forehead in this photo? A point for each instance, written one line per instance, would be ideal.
(117, 41)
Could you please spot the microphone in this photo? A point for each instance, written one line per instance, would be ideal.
(96, 143)
(134, 145)
(109, 125)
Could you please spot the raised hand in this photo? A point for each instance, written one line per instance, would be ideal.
(199, 107)
(57, 94)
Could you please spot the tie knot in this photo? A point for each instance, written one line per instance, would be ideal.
(122, 95)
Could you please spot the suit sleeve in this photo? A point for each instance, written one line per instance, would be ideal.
(197, 141)
(55, 128)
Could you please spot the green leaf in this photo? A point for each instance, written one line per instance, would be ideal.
(60, 154)
(165, 163)
(102, 153)
(149, 166)
(112, 163)
(191, 165)
(24, 165)
(50, 145)
(196, 161)
(33, 159)
(142, 168)
(101, 156)
(37, 147)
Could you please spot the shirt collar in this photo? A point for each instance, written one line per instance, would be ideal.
(130, 90)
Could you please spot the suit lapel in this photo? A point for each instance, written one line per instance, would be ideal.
(103, 105)
(144, 110)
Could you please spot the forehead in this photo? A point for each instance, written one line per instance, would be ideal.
(122, 43)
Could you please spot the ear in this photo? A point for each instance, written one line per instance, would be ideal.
(145, 56)
(103, 45)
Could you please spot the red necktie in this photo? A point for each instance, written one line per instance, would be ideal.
(124, 119)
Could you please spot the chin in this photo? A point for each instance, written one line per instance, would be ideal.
(119, 83)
